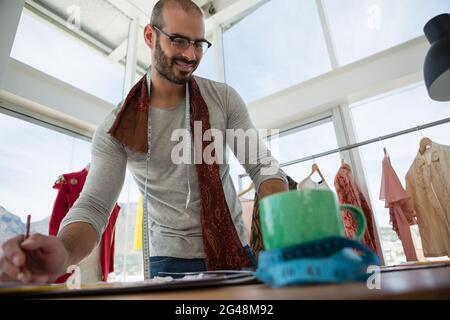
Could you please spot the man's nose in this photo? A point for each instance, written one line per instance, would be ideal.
(189, 53)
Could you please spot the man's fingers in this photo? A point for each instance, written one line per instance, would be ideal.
(36, 241)
(12, 251)
(8, 270)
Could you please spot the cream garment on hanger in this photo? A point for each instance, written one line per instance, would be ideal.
(309, 183)
(247, 213)
(427, 181)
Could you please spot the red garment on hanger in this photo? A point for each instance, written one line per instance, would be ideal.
(349, 193)
(401, 208)
(69, 187)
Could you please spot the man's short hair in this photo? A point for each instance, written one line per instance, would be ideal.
(185, 5)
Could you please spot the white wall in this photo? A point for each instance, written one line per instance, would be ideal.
(37, 94)
(10, 12)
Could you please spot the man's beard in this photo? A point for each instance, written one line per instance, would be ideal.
(165, 66)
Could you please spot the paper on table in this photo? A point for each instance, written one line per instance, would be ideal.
(191, 280)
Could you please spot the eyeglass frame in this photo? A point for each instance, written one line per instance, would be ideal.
(173, 37)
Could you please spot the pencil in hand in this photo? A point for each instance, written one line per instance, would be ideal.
(27, 234)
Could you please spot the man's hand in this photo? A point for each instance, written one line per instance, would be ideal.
(270, 187)
(39, 259)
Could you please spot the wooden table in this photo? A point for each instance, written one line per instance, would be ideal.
(424, 283)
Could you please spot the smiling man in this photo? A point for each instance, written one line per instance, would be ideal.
(195, 218)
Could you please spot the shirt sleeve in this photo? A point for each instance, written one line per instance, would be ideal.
(104, 181)
(247, 144)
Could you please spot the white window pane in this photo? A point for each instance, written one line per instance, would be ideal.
(395, 111)
(128, 264)
(361, 28)
(277, 46)
(206, 67)
(31, 159)
(386, 114)
(52, 51)
(304, 142)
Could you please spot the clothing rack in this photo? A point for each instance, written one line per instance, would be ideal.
(363, 143)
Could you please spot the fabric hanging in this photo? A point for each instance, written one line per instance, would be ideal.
(309, 183)
(247, 212)
(428, 182)
(401, 209)
(349, 193)
(69, 187)
(137, 246)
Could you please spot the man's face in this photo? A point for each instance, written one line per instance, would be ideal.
(173, 64)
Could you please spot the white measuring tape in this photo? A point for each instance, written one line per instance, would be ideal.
(145, 224)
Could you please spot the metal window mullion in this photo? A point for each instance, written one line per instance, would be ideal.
(219, 55)
(131, 59)
(327, 34)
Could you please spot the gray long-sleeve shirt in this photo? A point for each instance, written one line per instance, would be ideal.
(175, 230)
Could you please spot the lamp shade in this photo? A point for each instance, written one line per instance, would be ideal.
(437, 61)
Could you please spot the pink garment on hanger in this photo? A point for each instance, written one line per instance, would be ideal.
(349, 193)
(401, 209)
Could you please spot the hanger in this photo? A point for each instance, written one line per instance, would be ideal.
(315, 168)
(250, 188)
(342, 162)
(385, 152)
(424, 144)
(88, 167)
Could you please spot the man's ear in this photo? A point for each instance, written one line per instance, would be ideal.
(149, 36)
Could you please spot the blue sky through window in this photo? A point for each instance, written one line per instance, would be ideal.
(277, 46)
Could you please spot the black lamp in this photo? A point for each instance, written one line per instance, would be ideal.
(437, 61)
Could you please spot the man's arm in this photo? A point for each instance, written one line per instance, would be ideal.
(79, 239)
(102, 187)
(270, 187)
(259, 163)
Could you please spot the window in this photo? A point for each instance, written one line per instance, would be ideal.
(128, 264)
(32, 157)
(361, 28)
(397, 110)
(303, 142)
(275, 47)
(392, 112)
(54, 52)
(206, 67)
(306, 141)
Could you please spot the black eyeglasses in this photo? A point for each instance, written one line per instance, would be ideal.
(182, 43)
